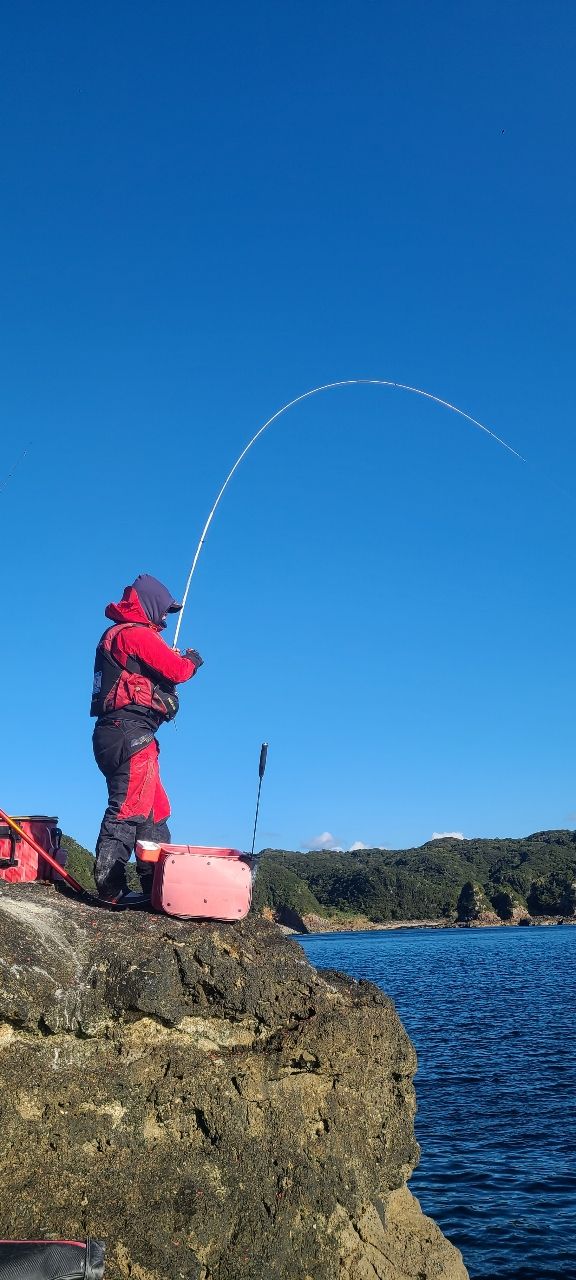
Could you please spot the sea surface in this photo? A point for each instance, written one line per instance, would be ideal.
(491, 1013)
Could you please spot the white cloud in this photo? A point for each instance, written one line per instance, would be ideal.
(324, 841)
(330, 842)
(448, 835)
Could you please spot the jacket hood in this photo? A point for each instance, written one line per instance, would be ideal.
(146, 602)
(128, 609)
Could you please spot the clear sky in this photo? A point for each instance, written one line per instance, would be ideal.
(206, 210)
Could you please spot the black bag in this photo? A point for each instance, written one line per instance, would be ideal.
(52, 1259)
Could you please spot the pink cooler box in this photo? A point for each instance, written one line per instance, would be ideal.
(197, 882)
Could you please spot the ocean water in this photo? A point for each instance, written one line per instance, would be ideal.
(491, 1013)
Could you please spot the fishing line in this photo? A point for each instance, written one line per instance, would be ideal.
(15, 467)
(329, 386)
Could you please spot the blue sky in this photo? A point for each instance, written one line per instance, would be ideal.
(206, 210)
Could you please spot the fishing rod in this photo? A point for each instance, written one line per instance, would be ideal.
(261, 771)
(328, 386)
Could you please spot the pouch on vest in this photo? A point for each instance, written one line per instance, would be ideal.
(19, 862)
(166, 696)
(52, 1259)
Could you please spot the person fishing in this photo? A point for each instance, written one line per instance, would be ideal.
(134, 692)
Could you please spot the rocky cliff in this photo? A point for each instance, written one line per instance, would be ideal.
(203, 1099)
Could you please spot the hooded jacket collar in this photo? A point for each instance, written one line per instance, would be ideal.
(129, 609)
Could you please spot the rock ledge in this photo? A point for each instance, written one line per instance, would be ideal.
(203, 1099)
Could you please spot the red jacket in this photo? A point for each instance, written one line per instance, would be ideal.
(134, 667)
(145, 642)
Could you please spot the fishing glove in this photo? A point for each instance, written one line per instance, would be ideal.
(194, 657)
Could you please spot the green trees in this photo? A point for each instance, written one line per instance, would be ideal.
(553, 895)
(279, 887)
(79, 862)
(427, 883)
(505, 902)
(472, 902)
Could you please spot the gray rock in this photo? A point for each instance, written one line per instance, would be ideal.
(203, 1099)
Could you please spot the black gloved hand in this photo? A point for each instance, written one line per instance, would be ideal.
(194, 657)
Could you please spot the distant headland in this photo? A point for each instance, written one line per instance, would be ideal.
(444, 882)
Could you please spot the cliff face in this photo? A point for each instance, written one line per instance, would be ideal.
(200, 1097)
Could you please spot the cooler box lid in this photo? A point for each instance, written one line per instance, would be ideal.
(206, 850)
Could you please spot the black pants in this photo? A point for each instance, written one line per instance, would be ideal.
(126, 752)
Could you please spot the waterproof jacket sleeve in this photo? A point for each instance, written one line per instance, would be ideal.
(149, 647)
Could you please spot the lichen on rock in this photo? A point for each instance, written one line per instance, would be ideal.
(201, 1097)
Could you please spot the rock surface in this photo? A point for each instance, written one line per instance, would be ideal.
(203, 1099)
(311, 923)
(520, 915)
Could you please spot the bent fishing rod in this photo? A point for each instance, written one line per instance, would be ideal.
(327, 386)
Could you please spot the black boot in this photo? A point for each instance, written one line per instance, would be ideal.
(146, 880)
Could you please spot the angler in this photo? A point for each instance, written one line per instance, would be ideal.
(134, 692)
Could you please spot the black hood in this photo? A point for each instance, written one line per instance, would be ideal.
(155, 598)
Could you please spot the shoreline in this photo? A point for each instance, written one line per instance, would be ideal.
(358, 924)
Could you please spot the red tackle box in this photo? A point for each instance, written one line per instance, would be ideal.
(18, 861)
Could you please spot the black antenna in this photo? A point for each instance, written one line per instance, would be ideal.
(261, 772)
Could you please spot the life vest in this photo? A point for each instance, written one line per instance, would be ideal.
(117, 686)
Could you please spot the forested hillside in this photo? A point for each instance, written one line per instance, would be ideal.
(424, 883)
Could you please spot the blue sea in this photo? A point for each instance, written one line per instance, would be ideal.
(491, 1013)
